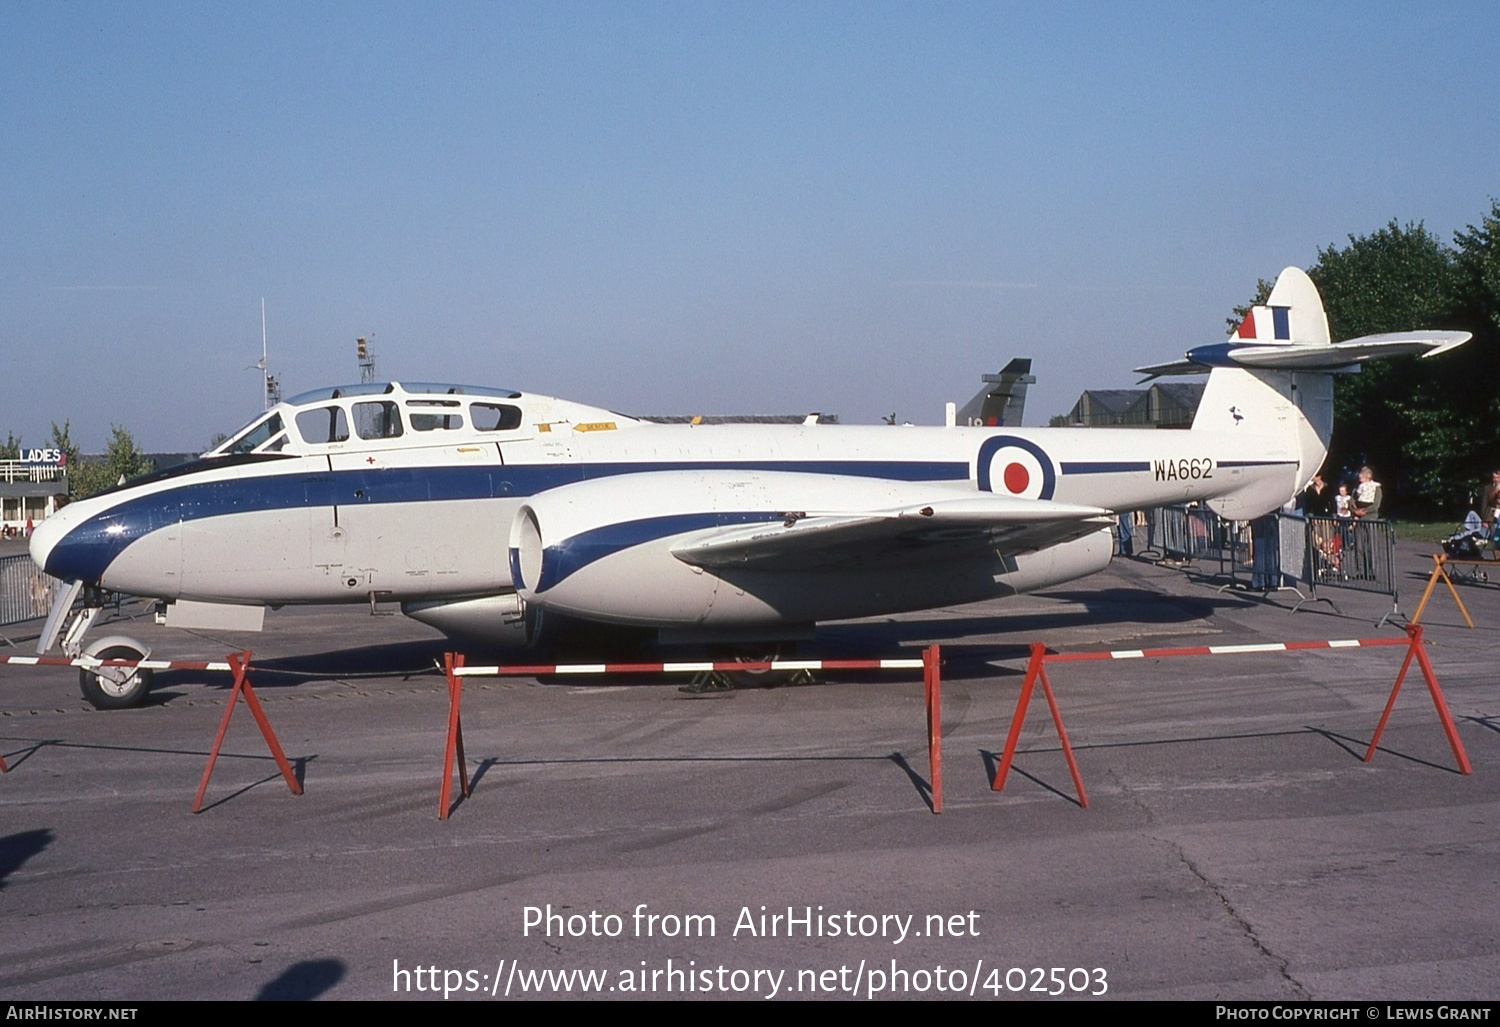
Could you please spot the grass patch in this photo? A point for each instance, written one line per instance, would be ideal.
(1425, 531)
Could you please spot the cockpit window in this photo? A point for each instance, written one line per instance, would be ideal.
(443, 388)
(257, 436)
(323, 425)
(433, 414)
(339, 391)
(494, 416)
(377, 420)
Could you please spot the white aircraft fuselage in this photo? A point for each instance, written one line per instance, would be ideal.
(442, 496)
(476, 508)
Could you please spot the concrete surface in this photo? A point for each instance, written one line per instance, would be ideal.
(1236, 846)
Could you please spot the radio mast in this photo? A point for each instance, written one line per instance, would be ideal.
(366, 358)
(270, 384)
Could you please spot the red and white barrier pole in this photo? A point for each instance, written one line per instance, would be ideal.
(1418, 650)
(1036, 670)
(452, 666)
(932, 687)
(455, 671)
(239, 663)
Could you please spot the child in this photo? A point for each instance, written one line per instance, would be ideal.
(1343, 504)
(1343, 511)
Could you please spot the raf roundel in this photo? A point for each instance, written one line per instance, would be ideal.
(1013, 466)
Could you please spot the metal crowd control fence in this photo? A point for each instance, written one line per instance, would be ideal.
(1345, 553)
(1283, 551)
(1251, 554)
(25, 592)
(1185, 533)
(1253, 551)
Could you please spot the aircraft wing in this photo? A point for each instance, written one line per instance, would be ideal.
(995, 523)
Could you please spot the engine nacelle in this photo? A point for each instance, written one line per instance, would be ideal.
(503, 620)
(603, 550)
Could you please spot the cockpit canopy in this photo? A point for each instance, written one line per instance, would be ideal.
(369, 412)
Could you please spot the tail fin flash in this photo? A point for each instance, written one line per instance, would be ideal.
(1292, 314)
(1002, 401)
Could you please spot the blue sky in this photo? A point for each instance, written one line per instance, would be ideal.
(699, 207)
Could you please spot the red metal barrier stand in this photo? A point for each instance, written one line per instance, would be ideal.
(1418, 651)
(451, 663)
(3, 768)
(932, 683)
(1440, 571)
(239, 663)
(1036, 670)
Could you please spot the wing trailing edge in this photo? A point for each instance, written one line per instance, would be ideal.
(1004, 523)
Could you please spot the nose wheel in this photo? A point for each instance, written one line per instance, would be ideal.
(116, 688)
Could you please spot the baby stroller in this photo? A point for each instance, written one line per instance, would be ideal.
(1469, 542)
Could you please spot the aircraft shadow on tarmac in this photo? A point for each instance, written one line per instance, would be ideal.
(398, 659)
(857, 640)
(16, 849)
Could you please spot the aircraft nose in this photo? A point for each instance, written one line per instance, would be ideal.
(46, 535)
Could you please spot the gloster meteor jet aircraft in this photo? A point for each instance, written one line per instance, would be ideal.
(489, 512)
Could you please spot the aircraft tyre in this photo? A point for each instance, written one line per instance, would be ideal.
(761, 653)
(116, 688)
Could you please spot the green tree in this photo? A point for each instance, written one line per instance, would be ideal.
(1478, 260)
(122, 461)
(1395, 415)
(1262, 293)
(10, 449)
(62, 440)
(1429, 428)
(1476, 368)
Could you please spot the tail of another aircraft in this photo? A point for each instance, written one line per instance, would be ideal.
(1002, 401)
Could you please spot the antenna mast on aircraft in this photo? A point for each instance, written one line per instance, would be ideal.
(271, 385)
(366, 358)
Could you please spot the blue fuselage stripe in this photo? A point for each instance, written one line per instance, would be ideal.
(88, 549)
(1105, 467)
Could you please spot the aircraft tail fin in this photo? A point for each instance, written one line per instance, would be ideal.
(1273, 379)
(1002, 401)
(1293, 314)
(1289, 332)
(1289, 411)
